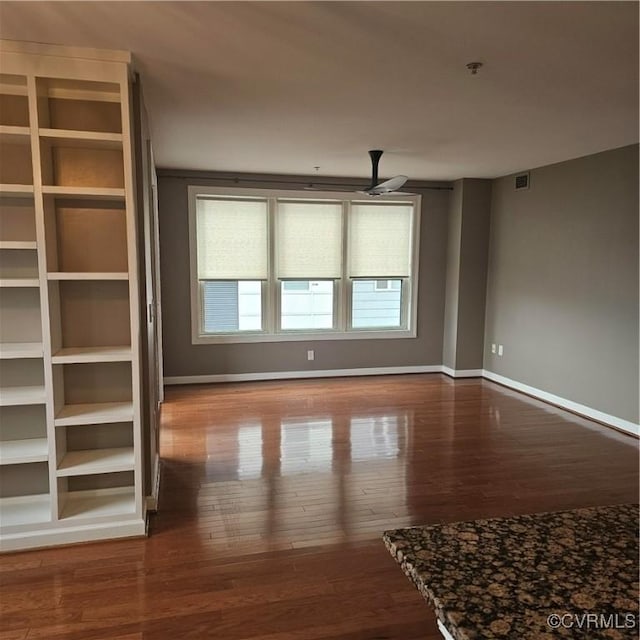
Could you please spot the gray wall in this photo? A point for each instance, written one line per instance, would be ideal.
(454, 232)
(562, 292)
(466, 279)
(181, 358)
(472, 286)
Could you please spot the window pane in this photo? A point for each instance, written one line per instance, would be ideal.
(306, 307)
(308, 240)
(232, 239)
(380, 240)
(296, 285)
(231, 305)
(376, 306)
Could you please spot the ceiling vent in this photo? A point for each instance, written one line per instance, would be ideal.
(522, 181)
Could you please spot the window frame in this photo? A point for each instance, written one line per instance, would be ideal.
(271, 298)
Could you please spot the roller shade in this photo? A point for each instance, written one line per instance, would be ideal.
(309, 239)
(380, 240)
(232, 239)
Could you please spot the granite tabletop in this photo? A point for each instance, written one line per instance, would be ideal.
(570, 574)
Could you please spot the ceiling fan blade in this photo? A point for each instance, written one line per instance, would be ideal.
(388, 185)
(390, 194)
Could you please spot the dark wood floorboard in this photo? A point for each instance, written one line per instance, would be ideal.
(274, 497)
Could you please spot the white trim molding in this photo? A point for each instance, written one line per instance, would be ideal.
(443, 630)
(462, 373)
(152, 499)
(312, 373)
(588, 412)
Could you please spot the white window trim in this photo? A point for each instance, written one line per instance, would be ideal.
(342, 287)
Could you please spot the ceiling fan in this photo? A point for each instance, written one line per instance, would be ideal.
(387, 188)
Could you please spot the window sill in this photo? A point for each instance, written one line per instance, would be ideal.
(308, 336)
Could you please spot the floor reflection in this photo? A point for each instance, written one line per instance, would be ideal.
(317, 475)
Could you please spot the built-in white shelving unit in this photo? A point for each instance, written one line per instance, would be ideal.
(70, 423)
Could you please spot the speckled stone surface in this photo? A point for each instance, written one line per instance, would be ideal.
(502, 578)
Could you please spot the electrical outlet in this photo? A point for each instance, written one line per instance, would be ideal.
(493, 347)
(311, 354)
(500, 349)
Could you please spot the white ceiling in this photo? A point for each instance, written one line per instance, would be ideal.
(280, 87)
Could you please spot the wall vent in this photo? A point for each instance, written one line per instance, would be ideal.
(522, 181)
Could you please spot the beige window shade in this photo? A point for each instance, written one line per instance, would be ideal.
(309, 239)
(380, 240)
(232, 239)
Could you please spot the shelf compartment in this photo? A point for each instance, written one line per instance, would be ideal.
(92, 383)
(94, 461)
(79, 105)
(17, 220)
(85, 236)
(99, 503)
(18, 264)
(27, 422)
(24, 494)
(24, 451)
(20, 319)
(70, 355)
(97, 495)
(22, 382)
(20, 350)
(90, 314)
(94, 413)
(14, 104)
(81, 165)
(16, 168)
(25, 510)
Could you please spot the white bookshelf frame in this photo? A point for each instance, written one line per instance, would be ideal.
(70, 512)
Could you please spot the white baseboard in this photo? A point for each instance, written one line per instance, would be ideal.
(314, 373)
(70, 535)
(613, 421)
(587, 412)
(462, 373)
(152, 499)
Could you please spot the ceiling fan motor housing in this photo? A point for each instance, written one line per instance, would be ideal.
(375, 155)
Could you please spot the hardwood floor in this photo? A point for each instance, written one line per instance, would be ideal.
(274, 497)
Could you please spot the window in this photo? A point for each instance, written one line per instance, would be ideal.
(273, 265)
(231, 305)
(307, 304)
(376, 306)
